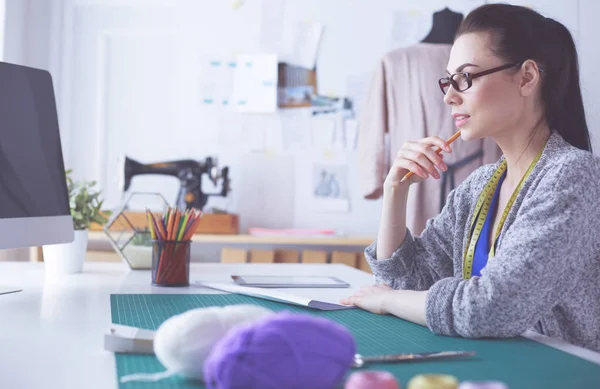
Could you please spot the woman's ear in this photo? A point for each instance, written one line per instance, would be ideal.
(529, 77)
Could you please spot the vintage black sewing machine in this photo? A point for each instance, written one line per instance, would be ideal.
(189, 173)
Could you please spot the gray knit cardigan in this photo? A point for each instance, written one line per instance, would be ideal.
(545, 274)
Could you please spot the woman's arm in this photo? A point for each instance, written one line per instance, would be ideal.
(418, 262)
(419, 158)
(405, 304)
(392, 224)
(395, 257)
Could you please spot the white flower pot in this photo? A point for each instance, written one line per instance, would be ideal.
(66, 258)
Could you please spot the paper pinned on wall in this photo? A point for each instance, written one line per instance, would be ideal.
(351, 133)
(216, 80)
(329, 131)
(208, 80)
(225, 80)
(408, 27)
(273, 138)
(268, 183)
(296, 131)
(357, 88)
(330, 190)
(255, 83)
(323, 131)
(339, 139)
(253, 134)
(271, 25)
(300, 43)
(237, 4)
(241, 134)
(230, 131)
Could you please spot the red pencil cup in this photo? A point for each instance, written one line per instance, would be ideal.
(171, 262)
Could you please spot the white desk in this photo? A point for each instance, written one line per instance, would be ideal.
(51, 333)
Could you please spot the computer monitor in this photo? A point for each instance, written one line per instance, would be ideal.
(34, 200)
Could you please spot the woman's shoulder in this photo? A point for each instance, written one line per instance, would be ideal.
(565, 162)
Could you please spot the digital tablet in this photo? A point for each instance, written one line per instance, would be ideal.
(289, 281)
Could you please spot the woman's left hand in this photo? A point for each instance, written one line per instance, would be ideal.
(370, 298)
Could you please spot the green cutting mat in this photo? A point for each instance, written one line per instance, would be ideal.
(519, 362)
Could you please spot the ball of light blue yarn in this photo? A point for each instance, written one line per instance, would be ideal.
(281, 351)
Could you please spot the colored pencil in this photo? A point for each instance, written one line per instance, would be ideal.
(172, 233)
(150, 225)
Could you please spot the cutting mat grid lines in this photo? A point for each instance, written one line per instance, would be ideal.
(519, 362)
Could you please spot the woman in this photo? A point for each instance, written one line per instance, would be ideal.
(528, 256)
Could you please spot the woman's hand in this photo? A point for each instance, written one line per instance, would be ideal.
(381, 299)
(370, 298)
(420, 158)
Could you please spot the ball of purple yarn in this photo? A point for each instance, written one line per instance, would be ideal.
(283, 350)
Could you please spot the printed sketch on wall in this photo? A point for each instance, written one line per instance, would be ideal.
(330, 188)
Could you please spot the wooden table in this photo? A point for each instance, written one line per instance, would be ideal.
(244, 248)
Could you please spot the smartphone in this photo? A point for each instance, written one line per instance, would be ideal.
(290, 281)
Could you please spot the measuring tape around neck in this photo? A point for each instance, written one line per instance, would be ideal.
(482, 208)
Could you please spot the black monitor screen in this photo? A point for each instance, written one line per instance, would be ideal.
(32, 180)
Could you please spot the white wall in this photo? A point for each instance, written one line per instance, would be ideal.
(127, 78)
(126, 74)
(27, 28)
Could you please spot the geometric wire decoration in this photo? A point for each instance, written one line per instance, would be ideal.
(127, 228)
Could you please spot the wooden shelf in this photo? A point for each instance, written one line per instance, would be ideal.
(350, 241)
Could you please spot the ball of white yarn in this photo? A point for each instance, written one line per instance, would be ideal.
(184, 341)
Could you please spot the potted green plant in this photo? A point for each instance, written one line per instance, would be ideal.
(86, 208)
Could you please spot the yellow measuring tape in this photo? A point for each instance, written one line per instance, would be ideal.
(482, 208)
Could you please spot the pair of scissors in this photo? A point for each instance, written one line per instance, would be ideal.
(360, 360)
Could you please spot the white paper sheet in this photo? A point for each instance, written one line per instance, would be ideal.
(300, 43)
(237, 4)
(208, 81)
(276, 295)
(323, 131)
(215, 81)
(273, 135)
(295, 130)
(255, 83)
(351, 133)
(241, 133)
(270, 187)
(357, 87)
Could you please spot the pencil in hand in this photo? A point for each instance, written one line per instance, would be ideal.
(437, 151)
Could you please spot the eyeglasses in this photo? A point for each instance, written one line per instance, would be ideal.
(463, 80)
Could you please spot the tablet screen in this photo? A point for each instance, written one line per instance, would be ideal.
(290, 281)
(285, 280)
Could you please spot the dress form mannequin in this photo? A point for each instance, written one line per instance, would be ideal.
(445, 25)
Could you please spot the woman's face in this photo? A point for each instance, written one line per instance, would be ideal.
(493, 104)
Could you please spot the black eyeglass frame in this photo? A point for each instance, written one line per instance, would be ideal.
(469, 77)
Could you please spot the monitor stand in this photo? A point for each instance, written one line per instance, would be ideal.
(7, 290)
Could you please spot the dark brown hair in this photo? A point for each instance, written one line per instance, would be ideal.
(518, 34)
